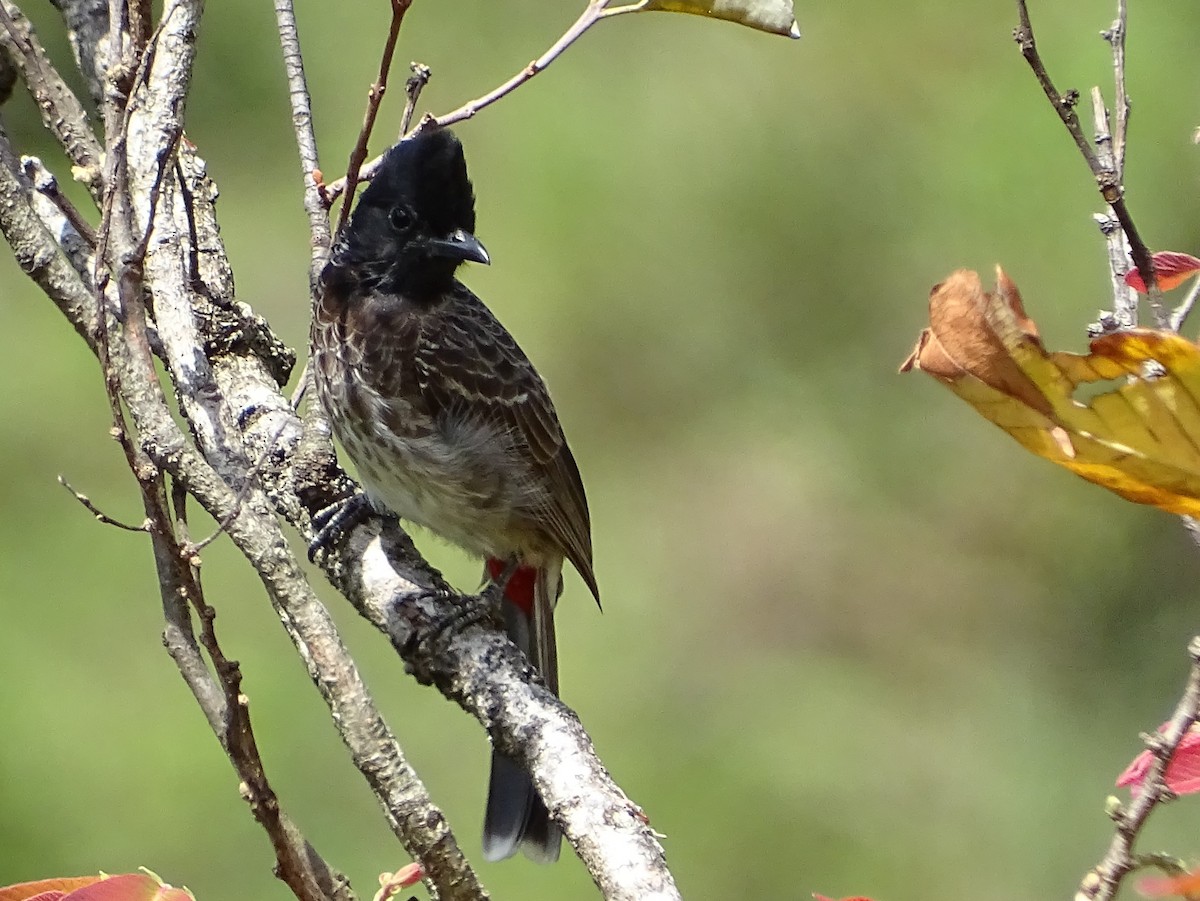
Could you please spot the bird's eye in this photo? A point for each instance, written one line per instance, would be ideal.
(400, 218)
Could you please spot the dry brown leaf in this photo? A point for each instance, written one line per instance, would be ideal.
(1141, 439)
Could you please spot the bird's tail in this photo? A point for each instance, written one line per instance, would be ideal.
(515, 816)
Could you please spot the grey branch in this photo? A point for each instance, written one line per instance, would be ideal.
(87, 30)
(62, 113)
(251, 462)
(306, 139)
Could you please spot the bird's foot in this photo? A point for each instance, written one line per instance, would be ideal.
(485, 608)
(336, 520)
(474, 610)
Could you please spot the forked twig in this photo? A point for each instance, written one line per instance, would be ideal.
(592, 13)
(1108, 179)
(100, 515)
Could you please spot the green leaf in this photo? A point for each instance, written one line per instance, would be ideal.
(775, 16)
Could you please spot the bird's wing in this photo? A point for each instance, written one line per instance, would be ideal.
(468, 364)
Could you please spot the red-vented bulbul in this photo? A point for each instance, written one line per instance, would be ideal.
(448, 422)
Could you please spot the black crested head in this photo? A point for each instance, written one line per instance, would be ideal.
(429, 173)
(413, 225)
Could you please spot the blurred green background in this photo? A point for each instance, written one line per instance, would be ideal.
(855, 640)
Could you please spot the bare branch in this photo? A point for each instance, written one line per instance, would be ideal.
(158, 228)
(1180, 314)
(1104, 881)
(1125, 299)
(374, 98)
(46, 184)
(1115, 36)
(592, 13)
(1108, 180)
(36, 250)
(158, 88)
(62, 113)
(306, 141)
(420, 76)
(87, 30)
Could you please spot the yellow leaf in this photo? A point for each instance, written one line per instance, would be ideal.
(775, 16)
(1141, 439)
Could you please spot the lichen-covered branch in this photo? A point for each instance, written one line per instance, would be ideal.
(62, 113)
(252, 463)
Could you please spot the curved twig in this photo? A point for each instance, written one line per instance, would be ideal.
(592, 13)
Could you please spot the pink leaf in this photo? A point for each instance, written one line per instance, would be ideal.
(391, 883)
(45, 889)
(1171, 269)
(1185, 886)
(1183, 772)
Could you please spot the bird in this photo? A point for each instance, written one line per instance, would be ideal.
(447, 421)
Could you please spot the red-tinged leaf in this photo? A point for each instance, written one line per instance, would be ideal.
(45, 889)
(1186, 886)
(130, 887)
(391, 883)
(409, 875)
(1183, 772)
(1171, 269)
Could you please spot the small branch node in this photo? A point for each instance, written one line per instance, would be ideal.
(413, 87)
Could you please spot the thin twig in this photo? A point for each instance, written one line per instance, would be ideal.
(1104, 881)
(100, 515)
(306, 874)
(1164, 863)
(595, 11)
(420, 76)
(306, 141)
(592, 13)
(1115, 36)
(374, 98)
(1180, 314)
(45, 183)
(302, 385)
(1125, 299)
(1107, 180)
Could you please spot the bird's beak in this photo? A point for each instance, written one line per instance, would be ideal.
(460, 245)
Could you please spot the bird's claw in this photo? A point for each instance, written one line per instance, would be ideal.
(336, 520)
(483, 609)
